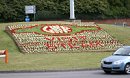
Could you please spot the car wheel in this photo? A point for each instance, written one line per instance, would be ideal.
(107, 72)
(127, 69)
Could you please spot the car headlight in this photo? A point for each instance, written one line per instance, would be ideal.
(118, 62)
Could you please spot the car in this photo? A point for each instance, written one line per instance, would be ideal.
(119, 61)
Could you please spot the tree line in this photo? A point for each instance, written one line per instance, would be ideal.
(14, 10)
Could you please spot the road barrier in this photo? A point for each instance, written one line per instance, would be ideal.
(4, 54)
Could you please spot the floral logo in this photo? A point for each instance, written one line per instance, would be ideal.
(61, 38)
(56, 29)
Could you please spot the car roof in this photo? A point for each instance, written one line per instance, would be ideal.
(126, 47)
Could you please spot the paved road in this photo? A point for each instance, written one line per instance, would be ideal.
(71, 74)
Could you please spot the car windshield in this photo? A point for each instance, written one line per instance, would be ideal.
(123, 52)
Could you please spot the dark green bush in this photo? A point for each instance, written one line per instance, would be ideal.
(59, 9)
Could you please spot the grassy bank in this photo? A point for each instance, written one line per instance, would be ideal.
(19, 61)
(119, 32)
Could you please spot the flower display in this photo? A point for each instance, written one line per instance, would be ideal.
(86, 38)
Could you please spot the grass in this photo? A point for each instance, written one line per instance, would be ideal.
(18, 61)
(79, 29)
(54, 61)
(119, 32)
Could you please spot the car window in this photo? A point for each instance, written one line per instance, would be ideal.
(122, 51)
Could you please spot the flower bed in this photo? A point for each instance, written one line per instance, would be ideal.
(61, 38)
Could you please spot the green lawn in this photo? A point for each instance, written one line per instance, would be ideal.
(19, 61)
(119, 32)
(55, 61)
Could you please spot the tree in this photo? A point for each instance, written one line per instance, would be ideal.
(59, 9)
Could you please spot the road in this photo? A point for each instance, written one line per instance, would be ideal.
(70, 74)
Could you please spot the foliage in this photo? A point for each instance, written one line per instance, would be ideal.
(59, 9)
